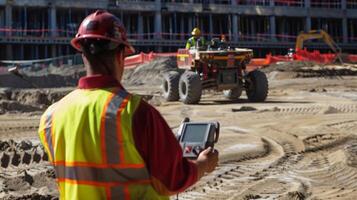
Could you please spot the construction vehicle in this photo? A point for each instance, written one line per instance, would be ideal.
(319, 34)
(218, 67)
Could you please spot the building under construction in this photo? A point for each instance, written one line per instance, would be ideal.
(33, 29)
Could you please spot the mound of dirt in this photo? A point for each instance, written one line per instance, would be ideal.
(68, 76)
(29, 100)
(149, 73)
(64, 76)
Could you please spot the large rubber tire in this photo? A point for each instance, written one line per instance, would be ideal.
(233, 94)
(190, 88)
(257, 86)
(170, 84)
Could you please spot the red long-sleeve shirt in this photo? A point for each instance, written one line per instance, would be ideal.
(154, 140)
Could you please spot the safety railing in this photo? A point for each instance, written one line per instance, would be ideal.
(351, 4)
(36, 32)
(58, 33)
(326, 4)
(253, 2)
(290, 3)
(198, 1)
(117, 2)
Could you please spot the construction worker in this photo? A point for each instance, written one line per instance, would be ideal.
(196, 36)
(106, 143)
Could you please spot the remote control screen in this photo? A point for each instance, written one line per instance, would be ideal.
(195, 132)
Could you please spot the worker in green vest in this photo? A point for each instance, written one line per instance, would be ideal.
(196, 36)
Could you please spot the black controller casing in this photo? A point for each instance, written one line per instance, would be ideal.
(194, 137)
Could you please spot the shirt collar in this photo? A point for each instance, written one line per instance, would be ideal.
(98, 81)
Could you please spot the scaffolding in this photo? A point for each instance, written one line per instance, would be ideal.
(34, 31)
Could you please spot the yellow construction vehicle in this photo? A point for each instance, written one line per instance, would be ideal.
(319, 34)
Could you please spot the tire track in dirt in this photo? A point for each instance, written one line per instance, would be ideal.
(230, 175)
(240, 175)
(344, 125)
(335, 165)
(15, 154)
(247, 176)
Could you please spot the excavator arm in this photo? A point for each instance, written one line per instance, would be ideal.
(318, 34)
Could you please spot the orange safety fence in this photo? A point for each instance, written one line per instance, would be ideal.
(352, 58)
(300, 55)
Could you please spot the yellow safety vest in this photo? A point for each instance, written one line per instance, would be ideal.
(88, 137)
(191, 42)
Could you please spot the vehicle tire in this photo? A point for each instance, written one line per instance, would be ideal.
(190, 88)
(257, 86)
(234, 93)
(170, 84)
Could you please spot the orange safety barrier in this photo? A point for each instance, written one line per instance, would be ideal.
(300, 55)
(315, 56)
(352, 58)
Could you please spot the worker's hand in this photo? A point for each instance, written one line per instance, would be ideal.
(207, 160)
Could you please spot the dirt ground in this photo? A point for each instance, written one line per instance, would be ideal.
(299, 144)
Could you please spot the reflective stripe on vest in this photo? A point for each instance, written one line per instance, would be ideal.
(122, 172)
(48, 133)
(100, 175)
(112, 155)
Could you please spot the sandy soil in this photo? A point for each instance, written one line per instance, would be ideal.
(299, 144)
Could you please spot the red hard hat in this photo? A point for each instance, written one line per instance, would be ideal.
(102, 25)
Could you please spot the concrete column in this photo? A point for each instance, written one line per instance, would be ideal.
(8, 17)
(308, 24)
(182, 27)
(2, 20)
(170, 26)
(140, 26)
(174, 27)
(25, 20)
(271, 3)
(37, 52)
(52, 19)
(46, 51)
(345, 30)
(158, 28)
(230, 28)
(158, 23)
(252, 27)
(190, 25)
(235, 27)
(210, 21)
(234, 2)
(272, 27)
(308, 17)
(343, 4)
(9, 55)
(53, 51)
(21, 56)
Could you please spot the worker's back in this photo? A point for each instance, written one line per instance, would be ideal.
(88, 136)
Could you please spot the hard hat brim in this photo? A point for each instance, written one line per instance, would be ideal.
(129, 49)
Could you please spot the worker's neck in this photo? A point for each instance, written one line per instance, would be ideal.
(90, 71)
